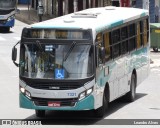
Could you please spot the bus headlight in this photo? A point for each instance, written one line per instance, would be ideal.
(10, 18)
(25, 92)
(89, 91)
(85, 93)
(28, 94)
(22, 90)
(82, 95)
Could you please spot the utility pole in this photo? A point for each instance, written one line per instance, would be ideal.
(66, 7)
(29, 9)
(75, 3)
(40, 10)
(84, 4)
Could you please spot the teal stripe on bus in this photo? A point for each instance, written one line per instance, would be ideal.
(143, 14)
(116, 23)
(85, 104)
(100, 29)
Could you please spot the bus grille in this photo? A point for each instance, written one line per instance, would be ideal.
(56, 86)
(5, 12)
(64, 102)
(3, 21)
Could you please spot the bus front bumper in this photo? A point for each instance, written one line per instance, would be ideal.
(84, 104)
(5, 23)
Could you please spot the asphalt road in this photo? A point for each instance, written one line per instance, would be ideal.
(146, 105)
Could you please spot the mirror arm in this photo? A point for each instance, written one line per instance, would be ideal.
(16, 44)
(16, 64)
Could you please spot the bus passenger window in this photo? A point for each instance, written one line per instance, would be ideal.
(99, 38)
(99, 59)
(145, 40)
(141, 32)
(116, 43)
(107, 46)
(124, 40)
(138, 36)
(99, 55)
(132, 38)
(147, 30)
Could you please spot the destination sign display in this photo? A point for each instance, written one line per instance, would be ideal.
(56, 34)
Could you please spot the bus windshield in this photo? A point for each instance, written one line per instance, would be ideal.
(7, 4)
(56, 61)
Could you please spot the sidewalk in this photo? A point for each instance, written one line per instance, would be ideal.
(29, 16)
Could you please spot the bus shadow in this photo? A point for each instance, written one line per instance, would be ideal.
(2, 31)
(80, 117)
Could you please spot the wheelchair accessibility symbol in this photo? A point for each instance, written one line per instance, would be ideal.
(59, 73)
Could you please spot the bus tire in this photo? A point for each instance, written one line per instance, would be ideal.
(130, 96)
(100, 112)
(155, 49)
(6, 29)
(40, 113)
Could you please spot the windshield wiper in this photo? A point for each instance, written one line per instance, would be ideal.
(69, 51)
(39, 46)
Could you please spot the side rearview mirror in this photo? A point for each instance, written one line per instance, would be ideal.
(14, 54)
(100, 57)
(102, 53)
(17, 11)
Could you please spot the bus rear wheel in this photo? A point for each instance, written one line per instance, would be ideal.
(130, 96)
(40, 113)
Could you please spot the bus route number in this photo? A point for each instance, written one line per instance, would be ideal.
(71, 94)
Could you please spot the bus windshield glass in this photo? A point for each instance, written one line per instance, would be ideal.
(56, 61)
(7, 4)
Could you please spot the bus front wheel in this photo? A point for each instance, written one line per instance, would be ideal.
(40, 113)
(130, 96)
(7, 29)
(100, 112)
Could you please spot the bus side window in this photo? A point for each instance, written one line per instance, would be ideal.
(124, 40)
(99, 46)
(132, 38)
(145, 35)
(147, 30)
(115, 35)
(107, 42)
(141, 32)
(139, 44)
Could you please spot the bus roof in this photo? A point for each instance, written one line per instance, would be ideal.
(97, 19)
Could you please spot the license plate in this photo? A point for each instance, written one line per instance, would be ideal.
(54, 104)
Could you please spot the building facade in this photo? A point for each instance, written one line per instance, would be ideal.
(56, 8)
(61, 7)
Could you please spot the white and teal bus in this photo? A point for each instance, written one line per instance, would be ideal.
(84, 60)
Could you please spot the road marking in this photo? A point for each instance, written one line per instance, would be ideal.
(2, 39)
(17, 38)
